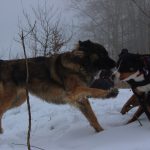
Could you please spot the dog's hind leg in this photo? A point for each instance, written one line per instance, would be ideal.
(9, 99)
(3, 109)
(132, 102)
(136, 115)
(85, 107)
(4, 106)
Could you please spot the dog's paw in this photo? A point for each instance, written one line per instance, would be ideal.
(112, 93)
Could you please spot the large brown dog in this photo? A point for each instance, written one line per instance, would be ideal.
(61, 78)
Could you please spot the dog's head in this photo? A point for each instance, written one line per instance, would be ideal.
(96, 57)
(129, 66)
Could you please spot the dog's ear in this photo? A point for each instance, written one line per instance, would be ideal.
(88, 40)
(86, 43)
(124, 52)
(77, 53)
(80, 42)
(77, 56)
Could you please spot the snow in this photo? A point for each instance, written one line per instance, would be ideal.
(63, 127)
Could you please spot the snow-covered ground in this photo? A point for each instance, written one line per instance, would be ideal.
(62, 127)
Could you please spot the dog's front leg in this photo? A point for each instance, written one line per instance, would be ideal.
(78, 98)
(81, 92)
(85, 107)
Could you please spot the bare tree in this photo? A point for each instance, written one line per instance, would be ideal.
(48, 36)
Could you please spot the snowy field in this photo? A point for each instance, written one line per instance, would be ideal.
(62, 127)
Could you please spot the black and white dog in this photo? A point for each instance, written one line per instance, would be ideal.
(135, 70)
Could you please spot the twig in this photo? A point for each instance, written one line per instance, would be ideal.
(139, 121)
(140, 8)
(30, 30)
(31, 146)
(27, 93)
(22, 36)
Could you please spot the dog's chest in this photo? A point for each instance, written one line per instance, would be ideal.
(140, 83)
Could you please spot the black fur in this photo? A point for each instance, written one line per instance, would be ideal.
(129, 62)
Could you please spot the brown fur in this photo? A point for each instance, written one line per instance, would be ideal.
(125, 75)
(131, 103)
(59, 79)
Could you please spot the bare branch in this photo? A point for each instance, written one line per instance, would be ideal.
(22, 36)
(47, 37)
(140, 8)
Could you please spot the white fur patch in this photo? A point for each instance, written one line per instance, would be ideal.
(117, 77)
(145, 88)
(136, 77)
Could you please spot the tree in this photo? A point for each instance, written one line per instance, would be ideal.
(48, 36)
(116, 24)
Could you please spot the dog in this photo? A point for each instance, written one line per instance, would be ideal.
(60, 79)
(135, 70)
